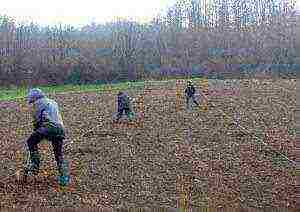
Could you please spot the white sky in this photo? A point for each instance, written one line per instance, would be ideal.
(298, 5)
(80, 12)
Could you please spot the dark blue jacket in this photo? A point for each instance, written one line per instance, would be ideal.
(190, 90)
(123, 101)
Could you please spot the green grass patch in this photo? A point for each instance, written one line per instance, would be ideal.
(21, 92)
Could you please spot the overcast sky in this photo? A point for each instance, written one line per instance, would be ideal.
(298, 5)
(81, 12)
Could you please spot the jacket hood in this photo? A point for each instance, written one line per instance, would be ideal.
(34, 94)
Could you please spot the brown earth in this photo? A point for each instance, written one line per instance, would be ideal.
(200, 152)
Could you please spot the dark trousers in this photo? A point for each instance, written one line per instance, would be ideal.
(121, 110)
(57, 143)
(188, 100)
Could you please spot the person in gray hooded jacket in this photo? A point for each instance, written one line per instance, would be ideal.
(47, 124)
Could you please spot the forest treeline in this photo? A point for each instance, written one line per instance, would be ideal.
(216, 38)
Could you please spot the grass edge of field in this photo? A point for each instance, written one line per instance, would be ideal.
(16, 93)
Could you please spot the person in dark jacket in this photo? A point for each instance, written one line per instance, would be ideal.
(124, 105)
(47, 124)
(190, 94)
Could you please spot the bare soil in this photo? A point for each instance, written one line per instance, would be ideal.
(199, 152)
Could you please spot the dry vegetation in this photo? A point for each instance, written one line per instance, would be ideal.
(115, 166)
(220, 36)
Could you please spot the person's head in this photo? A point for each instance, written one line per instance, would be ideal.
(189, 82)
(34, 94)
(120, 93)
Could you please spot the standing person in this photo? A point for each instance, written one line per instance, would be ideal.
(190, 94)
(124, 105)
(47, 124)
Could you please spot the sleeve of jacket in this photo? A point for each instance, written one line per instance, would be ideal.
(193, 90)
(45, 117)
(35, 124)
(127, 101)
(43, 114)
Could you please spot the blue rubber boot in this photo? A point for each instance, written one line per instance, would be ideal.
(64, 175)
(131, 116)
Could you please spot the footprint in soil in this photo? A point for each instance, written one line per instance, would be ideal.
(103, 134)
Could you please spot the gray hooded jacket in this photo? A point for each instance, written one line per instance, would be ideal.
(45, 110)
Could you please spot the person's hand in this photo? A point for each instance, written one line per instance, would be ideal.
(35, 125)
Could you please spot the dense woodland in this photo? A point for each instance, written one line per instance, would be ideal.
(215, 38)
